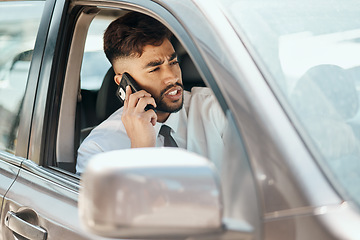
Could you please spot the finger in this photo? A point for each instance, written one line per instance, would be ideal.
(135, 97)
(154, 118)
(143, 102)
(128, 92)
(151, 115)
(141, 93)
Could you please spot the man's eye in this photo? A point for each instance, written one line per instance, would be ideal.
(154, 70)
(174, 62)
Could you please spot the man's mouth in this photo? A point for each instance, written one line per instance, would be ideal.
(174, 93)
(172, 88)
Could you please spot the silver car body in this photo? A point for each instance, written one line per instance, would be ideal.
(274, 175)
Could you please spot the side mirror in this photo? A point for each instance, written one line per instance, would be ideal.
(150, 193)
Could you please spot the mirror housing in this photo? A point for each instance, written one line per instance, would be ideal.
(150, 193)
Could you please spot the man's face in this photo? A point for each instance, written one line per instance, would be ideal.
(157, 71)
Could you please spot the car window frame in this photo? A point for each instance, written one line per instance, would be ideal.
(78, 8)
(26, 114)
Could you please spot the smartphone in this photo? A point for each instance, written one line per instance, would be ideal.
(126, 80)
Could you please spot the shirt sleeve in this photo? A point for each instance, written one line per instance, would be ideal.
(210, 109)
(108, 136)
(85, 152)
(206, 125)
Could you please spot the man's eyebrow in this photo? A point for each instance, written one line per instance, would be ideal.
(159, 62)
(154, 63)
(172, 56)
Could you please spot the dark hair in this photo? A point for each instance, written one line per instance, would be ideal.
(129, 34)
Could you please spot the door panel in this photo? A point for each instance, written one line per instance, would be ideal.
(8, 173)
(45, 205)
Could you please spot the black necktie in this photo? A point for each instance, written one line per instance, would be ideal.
(168, 139)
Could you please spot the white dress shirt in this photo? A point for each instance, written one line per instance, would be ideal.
(197, 127)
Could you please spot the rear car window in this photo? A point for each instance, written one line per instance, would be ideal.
(19, 22)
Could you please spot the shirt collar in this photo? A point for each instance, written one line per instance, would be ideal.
(172, 122)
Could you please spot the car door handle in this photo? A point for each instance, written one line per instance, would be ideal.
(23, 228)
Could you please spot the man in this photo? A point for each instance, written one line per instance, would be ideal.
(140, 46)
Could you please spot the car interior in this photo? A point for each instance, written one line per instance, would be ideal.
(95, 105)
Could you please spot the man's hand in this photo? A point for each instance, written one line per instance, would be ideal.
(139, 124)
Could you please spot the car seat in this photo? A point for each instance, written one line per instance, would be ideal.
(326, 90)
(106, 102)
(190, 75)
(325, 99)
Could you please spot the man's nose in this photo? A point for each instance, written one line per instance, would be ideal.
(170, 75)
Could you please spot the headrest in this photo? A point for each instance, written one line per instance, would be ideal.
(107, 102)
(189, 71)
(190, 75)
(326, 89)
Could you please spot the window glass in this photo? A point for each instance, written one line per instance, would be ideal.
(311, 49)
(19, 22)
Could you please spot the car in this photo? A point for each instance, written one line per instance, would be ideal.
(286, 74)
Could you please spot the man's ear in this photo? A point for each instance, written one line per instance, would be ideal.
(117, 78)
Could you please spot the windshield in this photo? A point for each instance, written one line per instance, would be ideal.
(311, 50)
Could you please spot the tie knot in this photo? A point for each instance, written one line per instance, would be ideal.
(168, 139)
(165, 130)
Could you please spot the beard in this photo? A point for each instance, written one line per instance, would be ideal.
(162, 106)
